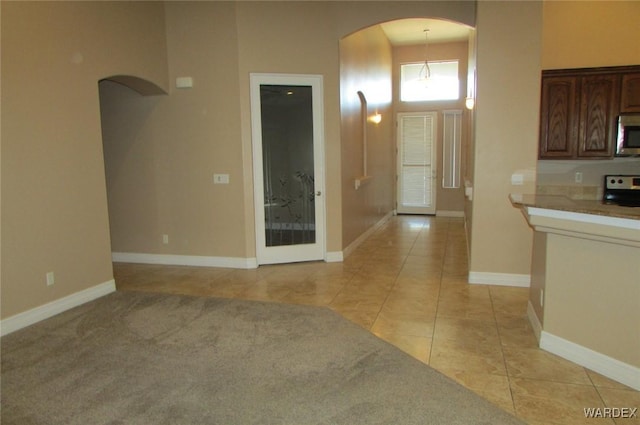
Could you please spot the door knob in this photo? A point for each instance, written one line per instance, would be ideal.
(318, 193)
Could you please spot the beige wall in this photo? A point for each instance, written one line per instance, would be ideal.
(446, 199)
(538, 275)
(592, 304)
(579, 34)
(506, 133)
(54, 209)
(161, 152)
(365, 65)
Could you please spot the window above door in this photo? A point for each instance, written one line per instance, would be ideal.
(442, 83)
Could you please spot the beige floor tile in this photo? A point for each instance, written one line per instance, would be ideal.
(456, 356)
(378, 271)
(449, 279)
(404, 324)
(534, 363)
(471, 293)
(419, 347)
(355, 291)
(602, 381)
(423, 257)
(555, 403)
(494, 388)
(465, 309)
(624, 403)
(265, 291)
(317, 298)
(509, 302)
(476, 331)
(414, 296)
(420, 292)
(508, 294)
(362, 316)
(516, 332)
(350, 298)
(419, 276)
(393, 311)
(455, 269)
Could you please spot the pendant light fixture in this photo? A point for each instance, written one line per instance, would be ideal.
(425, 71)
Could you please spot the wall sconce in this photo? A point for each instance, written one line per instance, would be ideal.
(469, 102)
(375, 118)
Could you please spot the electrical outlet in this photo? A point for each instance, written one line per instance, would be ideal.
(51, 279)
(578, 177)
(165, 239)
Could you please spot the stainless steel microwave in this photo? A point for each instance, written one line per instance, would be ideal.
(628, 143)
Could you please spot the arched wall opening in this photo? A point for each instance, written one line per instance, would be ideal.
(370, 60)
(140, 85)
(126, 102)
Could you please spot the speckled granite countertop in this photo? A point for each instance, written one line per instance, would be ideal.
(563, 203)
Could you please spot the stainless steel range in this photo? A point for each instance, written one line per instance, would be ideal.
(622, 190)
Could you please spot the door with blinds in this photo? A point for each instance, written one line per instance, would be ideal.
(416, 163)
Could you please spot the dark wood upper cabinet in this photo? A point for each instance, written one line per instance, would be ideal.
(630, 94)
(599, 100)
(579, 110)
(558, 118)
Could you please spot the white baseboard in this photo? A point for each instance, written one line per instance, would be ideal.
(29, 317)
(500, 279)
(363, 237)
(185, 260)
(445, 213)
(611, 368)
(534, 321)
(334, 257)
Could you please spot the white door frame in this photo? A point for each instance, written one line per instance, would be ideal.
(434, 144)
(301, 252)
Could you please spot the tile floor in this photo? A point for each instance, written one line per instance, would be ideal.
(407, 284)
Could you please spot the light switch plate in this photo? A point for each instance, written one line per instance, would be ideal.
(184, 82)
(221, 178)
(517, 179)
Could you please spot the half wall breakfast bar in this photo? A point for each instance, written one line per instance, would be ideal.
(584, 300)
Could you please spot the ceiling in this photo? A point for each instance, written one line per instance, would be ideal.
(411, 31)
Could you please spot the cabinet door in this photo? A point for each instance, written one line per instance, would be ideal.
(630, 96)
(558, 123)
(599, 106)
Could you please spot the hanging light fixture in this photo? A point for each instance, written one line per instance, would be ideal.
(425, 71)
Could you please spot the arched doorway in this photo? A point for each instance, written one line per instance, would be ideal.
(125, 103)
(370, 60)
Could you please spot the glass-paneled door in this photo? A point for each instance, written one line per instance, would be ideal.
(287, 133)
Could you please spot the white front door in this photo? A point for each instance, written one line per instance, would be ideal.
(288, 167)
(416, 163)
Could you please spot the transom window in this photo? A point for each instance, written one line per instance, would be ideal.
(442, 84)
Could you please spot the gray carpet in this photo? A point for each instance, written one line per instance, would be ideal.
(132, 358)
